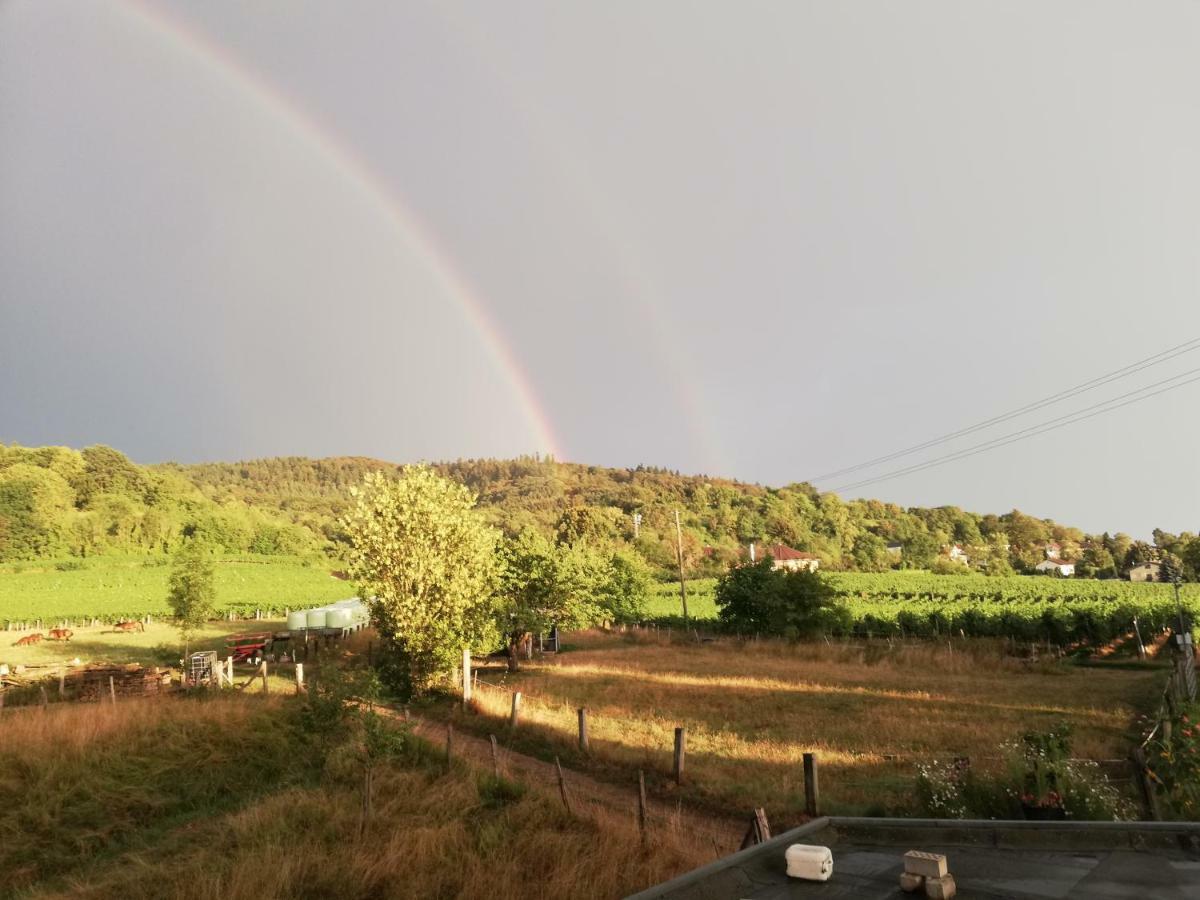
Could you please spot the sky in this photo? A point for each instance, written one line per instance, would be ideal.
(765, 241)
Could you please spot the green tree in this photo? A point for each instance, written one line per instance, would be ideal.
(760, 598)
(424, 555)
(191, 591)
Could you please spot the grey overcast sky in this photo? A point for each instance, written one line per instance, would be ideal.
(759, 240)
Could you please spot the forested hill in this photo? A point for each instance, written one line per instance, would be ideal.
(59, 501)
(719, 516)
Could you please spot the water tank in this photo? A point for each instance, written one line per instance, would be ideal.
(338, 618)
(297, 621)
(316, 618)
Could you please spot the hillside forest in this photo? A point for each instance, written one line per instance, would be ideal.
(58, 502)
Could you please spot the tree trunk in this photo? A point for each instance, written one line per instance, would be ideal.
(514, 645)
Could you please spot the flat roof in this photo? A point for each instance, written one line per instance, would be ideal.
(988, 859)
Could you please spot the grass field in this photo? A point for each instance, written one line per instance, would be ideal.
(871, 713)
(231, 797)
(117, 587)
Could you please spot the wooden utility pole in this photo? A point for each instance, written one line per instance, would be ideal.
(679, 554)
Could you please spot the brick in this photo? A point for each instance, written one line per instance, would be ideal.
(940, 888)
(931, 865)
(910, 883)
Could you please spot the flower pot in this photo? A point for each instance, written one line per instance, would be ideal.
(1043, 813)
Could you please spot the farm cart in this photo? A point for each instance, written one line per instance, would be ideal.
(246, 647)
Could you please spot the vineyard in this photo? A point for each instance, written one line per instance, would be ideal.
(924, 605)
(112, 588)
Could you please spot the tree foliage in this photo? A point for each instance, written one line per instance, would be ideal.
(757, 597)
(191, 590)
(423, 554)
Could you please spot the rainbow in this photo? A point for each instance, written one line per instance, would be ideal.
(351, 166)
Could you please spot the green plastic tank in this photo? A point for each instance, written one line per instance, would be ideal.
(316, 618)
(297, 621)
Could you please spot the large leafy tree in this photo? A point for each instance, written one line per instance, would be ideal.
(191, 591)
(758, 597)
(423, 554)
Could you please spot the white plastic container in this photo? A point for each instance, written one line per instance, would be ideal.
(809, 862)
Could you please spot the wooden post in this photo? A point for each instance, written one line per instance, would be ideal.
(812, 793)
(642, 803)
(1, 703)
(45, 699)
(679, 553)
(759, 830)
(583, 732)
(466, 677)
(229, 670)
(562, 785)
(266, 685)
(680, 750)
(516, 710)
(112, 690)
(299, 678)
(495, 756)
(62, 683)
(1141, 775)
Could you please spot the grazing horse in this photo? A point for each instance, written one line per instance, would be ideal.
(61, 634)
(29, 640)
(129, 626)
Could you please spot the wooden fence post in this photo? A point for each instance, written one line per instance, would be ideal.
(45, 699)
(299, 678)
(680, 750)
(583, 732)
(759, 830)
(812, 793)
(516, 710)
(466, 677)
(62, 683)
(266, 686)
(642, 803)
(1141, 775)
(112, 690)
(562, 785)
(495, 756)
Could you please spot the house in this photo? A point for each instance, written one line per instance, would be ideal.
(958, 555)
(1150, 571)
(785, 557)
(1052, 550)
(895, 548)
(1056, 567)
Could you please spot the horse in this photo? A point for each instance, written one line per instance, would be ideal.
(61, 634)
(29, 640)
(129, 626)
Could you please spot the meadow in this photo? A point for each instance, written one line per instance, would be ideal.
(116, 587)
(871, 711)
(100, 801)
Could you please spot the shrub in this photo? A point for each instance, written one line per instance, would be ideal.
(758, 597)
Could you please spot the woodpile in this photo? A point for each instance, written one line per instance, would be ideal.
(131, 680)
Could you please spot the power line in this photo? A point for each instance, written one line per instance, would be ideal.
(1088, 412)
(1123, 372)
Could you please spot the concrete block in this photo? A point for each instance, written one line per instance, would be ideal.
(931, 865)
(940, 888)
(910, 883)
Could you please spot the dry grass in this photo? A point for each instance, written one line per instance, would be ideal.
(225, 798)
(752, 710)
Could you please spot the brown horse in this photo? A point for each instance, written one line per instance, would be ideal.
(29, 640)
(61, 634)
(129, 626)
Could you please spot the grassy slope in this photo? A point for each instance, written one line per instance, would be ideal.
(134, 586)
(227, 798)
(753, 709)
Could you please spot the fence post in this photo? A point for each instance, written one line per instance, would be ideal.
(62, 684)
(1141, 775)
(112, 690)
(516, 710)
(299, 678)
(642, 803)
(495, 756)
(583, 732)
(229, 670)
(45, 699)
(812, 793)
(266, 686)
(562, 784)
(466, 677)
(680, 750)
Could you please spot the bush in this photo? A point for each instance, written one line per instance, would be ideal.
(758, 597)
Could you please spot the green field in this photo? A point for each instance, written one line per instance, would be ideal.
(111, 588)
(920, 604)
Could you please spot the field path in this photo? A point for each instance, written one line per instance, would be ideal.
(717, 835)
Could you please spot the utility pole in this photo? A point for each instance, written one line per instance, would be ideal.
(637, 525)
(679, 553)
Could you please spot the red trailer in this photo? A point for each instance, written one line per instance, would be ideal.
(247, 646)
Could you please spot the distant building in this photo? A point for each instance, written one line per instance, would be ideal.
(1056, 567)
(1052, 550)
(895, 548)
(785, 557)
(959, 555)
(1150, 571)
